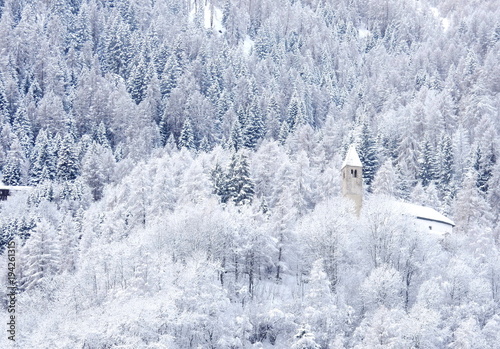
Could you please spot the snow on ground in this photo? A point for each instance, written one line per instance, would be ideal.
(445, 22)
(212, 17)
(248, 45)
(363, 33)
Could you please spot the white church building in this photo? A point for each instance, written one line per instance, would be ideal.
(352, 188)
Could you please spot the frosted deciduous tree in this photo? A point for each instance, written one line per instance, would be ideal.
(385, 180)
(97, 168)
(383, 287)
(304, 339)
(41, 256)
(471, 211)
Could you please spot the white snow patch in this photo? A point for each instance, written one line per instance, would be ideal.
(212, 17)
(363, 33)
(445, 22)
(248, 45)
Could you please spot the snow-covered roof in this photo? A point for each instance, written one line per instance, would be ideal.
(352, 158)
(426, 213)
(14, 187)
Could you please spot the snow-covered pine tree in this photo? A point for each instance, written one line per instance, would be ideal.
(43, 163)
(13, 171)
(164, 126)
(235, 141)
(240, 185)
(4, 107)
(139, 80)
(117, 50)
(445, 165)
(295, 112)
(67, 167)
(284, 132)
(220, 182)
(368, 155)
(484, 161)
(304, 339)
(171, 73)
(22, 127)
(254, 128)
(494, 192)
(186, 139)
(101, 135)
(426, 160)
(205, 145)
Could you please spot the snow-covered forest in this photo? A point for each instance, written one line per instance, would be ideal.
(184, 158)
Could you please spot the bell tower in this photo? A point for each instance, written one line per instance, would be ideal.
(352, 178)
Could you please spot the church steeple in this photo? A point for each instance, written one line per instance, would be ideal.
(352, 178)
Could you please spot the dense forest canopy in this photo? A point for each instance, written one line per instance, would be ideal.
(184, 158)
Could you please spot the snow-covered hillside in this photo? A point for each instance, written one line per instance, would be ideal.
(183, 162)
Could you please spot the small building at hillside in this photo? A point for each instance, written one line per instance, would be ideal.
(428, 218)
(352, 188)
(9, 190)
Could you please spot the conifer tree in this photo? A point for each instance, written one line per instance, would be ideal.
(171, 73)
(186, 139)
(235, 141)
(483, 164)
(205, 145)
(254, 128)
(284, 132)
(21, 126)
(368, 155)
(138, 81)
(14, 166)
(43, 160)
(4, 107)
(426, 172)
(117, 48)
(67, 159)
(240, 186)
(101, 136)
(295, 113)
(164, 127)
(445, 166)
(220, 182)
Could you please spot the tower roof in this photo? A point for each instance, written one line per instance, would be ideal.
(352, 158)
